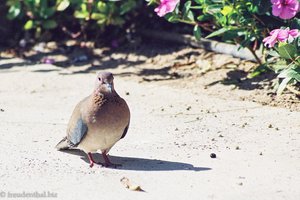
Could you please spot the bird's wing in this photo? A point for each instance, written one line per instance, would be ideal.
(126, 112)
(125, 131)
(77, 127)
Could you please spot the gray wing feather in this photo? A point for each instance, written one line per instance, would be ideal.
(78, 133)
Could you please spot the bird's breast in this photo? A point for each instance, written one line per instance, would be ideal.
(106, 126)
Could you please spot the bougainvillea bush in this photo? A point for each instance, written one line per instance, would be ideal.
(268, 25)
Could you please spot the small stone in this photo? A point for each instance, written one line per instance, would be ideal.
(260, 153)
(127, 93)
(213, 155)
(244, 125)
(2, 110)
(188, 108)
(270, 126)
(237, 148)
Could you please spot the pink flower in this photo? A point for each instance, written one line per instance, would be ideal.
(294, 33)
(281, 35)
(166, 6)
(285, 9)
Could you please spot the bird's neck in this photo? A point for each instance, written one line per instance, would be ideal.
(99, 95)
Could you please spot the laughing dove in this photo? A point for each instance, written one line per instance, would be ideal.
(98, 121)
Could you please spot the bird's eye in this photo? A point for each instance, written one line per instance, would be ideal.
(99, 79)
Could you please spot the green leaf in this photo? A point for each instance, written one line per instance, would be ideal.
(273, 53)
(29, 25)
(197, 32)
(232, 34)
(187, 14)
(217, 1)
(283, 85)
(287, 51)
(279, 65)
(101, 6)
(199, 1)
(171, 17)
(63, 5)
(226, 10)
(83, 7)
(258, 71)
(186, 7)
(81, 14)
(203, 18)
(213, 8)
(49, 24)
(101, 21)
(190, 16)
(14, 11)
(98, 16)
(218, 32)
(127, 6)
(291, 72)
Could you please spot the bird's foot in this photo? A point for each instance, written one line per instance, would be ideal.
(107, 162)
(91, 164)
(92, 161)
(106, 165)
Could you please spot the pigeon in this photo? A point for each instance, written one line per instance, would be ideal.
(98, 121)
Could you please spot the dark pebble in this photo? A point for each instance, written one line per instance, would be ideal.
(213, 155)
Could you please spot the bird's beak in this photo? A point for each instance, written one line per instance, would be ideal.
(109, 87)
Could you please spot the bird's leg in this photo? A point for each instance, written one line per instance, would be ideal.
(92, 161)
(107, 162)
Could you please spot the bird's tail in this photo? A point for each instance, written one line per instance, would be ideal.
(63, 144)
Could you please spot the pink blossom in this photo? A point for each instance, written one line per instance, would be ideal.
(294, 33)
(166, 6)
(281, 35)
(285, 9)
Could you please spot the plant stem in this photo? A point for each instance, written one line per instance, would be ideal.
(196, 7)
(259, 20)
(187, 22)
(255, 55)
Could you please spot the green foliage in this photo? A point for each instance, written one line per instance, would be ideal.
(287, 51)
(290, 75)
(42, 15)
(285, 60)
(247, 23)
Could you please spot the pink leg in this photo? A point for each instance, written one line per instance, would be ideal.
(92, 161)
(107, 162)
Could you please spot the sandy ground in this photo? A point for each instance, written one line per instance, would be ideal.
(166, 151)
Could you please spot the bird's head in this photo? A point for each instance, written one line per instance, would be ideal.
(105, 82)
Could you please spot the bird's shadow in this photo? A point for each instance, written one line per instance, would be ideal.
(141, 164)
